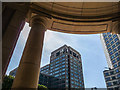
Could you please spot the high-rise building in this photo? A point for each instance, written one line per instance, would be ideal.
(64, 70)
(111, 44)
(45, 69)
(13, 72)
(66, 64)
(49, 80)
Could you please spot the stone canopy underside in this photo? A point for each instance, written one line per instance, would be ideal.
(79, 17)
(75, 17)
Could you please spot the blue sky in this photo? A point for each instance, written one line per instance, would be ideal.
(89, 46)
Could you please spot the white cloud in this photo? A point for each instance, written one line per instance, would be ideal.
(54, 40)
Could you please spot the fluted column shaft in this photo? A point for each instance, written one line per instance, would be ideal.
(28, 71)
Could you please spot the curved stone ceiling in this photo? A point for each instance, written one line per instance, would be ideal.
(79, 17)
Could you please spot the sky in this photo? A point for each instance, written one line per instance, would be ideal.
(89, 46)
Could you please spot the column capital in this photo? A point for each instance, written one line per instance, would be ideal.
(36, 19)
(116, 27)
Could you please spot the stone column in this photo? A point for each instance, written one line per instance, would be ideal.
(27, 75)
(10, 37)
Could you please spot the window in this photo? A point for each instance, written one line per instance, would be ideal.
(109, 84)
(72, 86)
(108, 45)
(57, 62)
(51, 61)
(118, 63)
(57, 65)
(56, 72)
(72, 82)
(118, 75)
(113, 78)
(111, 53)
(113, 46)
(113, 61)
(72, 70)
(112, 42)
(63, 73)
(63, 59)
(116, 54)
(66, 85)
(109, 35)
(106, 39)
(63, 55)
(72, 78)
(64, 50)
(112, 72)
(63, 62)
(74, 54)
(118, 59)
(57, 75)
(63, 66)
(112, 56)
(107, 42)
(117, 43)
(117, 70)
(115, 83)
(66, 65)
(63, 69)
(114, 35)
(115, 65)
(56, 68)
(71, 52)
(63, 77)
(106, 74)
(110, 39)
(116, 39)
(104, 34)
(67, 77)
(58, 53)
(109, 49)
(107, 79)
(115, 50)
(77, 57)
(118, 47)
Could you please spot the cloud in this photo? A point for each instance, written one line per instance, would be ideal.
(54, 40)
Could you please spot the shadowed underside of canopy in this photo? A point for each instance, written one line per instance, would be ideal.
(77, 17)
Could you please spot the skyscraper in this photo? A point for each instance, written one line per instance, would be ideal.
(64, 70)
(45, 69)
(49, 80)
(111, 43)
(66, 64)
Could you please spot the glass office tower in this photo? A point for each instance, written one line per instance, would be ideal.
(45, 69)
(64, 70)
(66, 64)
(111, 43)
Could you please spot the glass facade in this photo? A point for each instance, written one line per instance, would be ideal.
(45, 69)
(64, 70)
(66, 64)
(112, 48)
